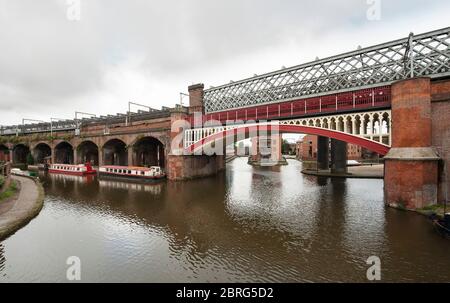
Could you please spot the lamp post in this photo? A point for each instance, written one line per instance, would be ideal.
(128, 117)
(77, 130)
(181, 98)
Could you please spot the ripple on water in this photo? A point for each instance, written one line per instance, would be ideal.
(250, 225)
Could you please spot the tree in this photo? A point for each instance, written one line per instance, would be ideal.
(285, 147)
(30, 159)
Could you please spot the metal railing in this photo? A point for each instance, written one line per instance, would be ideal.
(76, 124)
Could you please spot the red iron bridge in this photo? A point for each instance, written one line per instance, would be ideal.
(346, 97)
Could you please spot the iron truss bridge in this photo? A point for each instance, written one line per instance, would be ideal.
(426, 54)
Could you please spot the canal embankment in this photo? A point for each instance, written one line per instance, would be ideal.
(22, 201)
(375, 171)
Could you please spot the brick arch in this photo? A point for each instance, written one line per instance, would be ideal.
(87, 151)
(63, 155)
(4, 145)
(104, 140)
(40, 152)
(4, 153)
(149, 150)
(115, 154)
(34, 144)
(21, 156)
(141, 136)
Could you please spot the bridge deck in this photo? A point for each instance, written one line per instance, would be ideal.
(361, 100)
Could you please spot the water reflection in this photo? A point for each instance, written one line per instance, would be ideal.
(248, 224)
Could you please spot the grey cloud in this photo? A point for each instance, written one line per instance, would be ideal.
(48, 61)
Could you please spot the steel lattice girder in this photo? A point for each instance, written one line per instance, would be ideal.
(426, 54)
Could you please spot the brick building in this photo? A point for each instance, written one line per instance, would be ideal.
(306, 149)
(4, 153)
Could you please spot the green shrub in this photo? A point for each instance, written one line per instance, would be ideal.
(9, 192)
(30, 159)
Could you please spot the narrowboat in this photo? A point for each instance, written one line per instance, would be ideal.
(70, 169)
(442, 225)
(132, 172)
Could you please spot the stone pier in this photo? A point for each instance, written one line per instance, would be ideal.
(338, 156)
(323, 150)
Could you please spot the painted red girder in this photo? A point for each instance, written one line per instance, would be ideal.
(371, 145)
(352, 101)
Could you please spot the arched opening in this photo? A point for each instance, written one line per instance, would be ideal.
(115, 153)
(20, 154)
(64, 153)
(4, 153)
(87, 151)
(149, 151)
(371, 145)
(40, 152)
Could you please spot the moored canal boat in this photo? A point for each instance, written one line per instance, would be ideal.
(442, 225)
(132, 172)
(70, 169)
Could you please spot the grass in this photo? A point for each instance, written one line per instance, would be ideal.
(12, 189)
(437, 209)
(434, 207)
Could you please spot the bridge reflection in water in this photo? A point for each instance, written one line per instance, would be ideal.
(248, 224)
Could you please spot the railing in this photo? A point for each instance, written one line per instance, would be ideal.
(426, 54)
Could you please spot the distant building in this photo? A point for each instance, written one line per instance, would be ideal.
(306, 149)
(4, 154)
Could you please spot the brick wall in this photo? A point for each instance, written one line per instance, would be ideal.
(440, 113)
(354, 152)
(189, 167)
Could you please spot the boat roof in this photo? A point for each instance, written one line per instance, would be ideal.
(138, 168)
(75, 165)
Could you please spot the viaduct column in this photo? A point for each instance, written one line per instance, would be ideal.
(266, 150)
(411, 166)
(100, 156)
(181, 166)
(323, 149)
(275, 148)
(130, 156)
(338, 156)
(53, 154)
(11, 155)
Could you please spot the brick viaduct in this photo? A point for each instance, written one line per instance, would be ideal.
(416, 168)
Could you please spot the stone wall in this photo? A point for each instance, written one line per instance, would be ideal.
(5, 171)
(190, 167)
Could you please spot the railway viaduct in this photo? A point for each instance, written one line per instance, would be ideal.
(392, 98)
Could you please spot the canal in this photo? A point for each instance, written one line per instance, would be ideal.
(245, 225)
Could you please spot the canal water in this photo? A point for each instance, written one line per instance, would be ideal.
(246, 225)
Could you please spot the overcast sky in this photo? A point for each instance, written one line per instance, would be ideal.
(150, 51)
